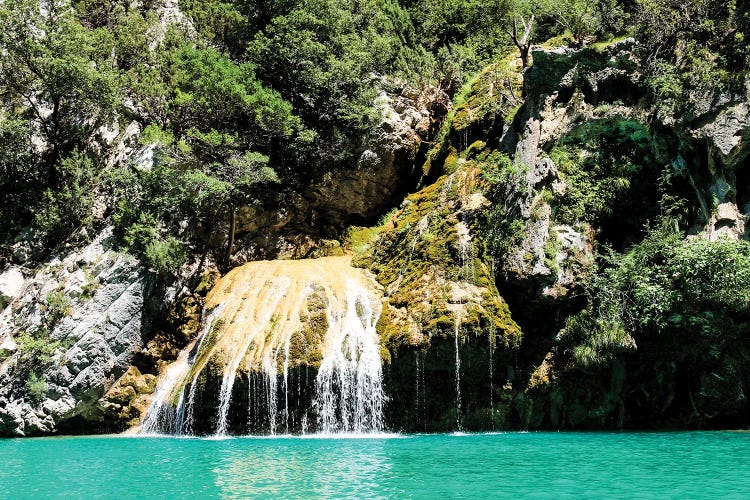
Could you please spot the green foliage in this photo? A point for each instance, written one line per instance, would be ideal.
(702, 41)
(505, 183)
(37, 349)
(233, 182)
(144, 237)
(465, 35)
(59, 65)
(220, 22)
(210, 90)
(36, 386)
(597, 338)
(65, 209)
(57, 306)
(19, 174)
(324, 57)
(715, 273)
(581, 18)
(665, 289)
(165, 256)
(600, 162)
(58, 87)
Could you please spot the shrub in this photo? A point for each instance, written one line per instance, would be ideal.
(505, 184)
(68, 207)
(694, 292)
(58, 305)
(37, 387)
(37, 349)
(164, 255)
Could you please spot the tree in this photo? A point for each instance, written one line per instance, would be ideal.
(228, 185)
(57, 70)
(325, 58)
(580, 17)
(524, 42)
(703, 40)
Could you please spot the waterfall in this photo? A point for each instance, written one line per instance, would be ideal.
(160, 416)
(263, 316)
(349, 386)
(492, 382)
(266, 319)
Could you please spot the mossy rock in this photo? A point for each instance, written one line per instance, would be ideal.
(419, 258)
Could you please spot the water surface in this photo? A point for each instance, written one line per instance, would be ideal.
(541, 465)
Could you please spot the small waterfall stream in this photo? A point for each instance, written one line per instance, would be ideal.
(267, 322)
(458, 373)
(349, 383)
(158, 419)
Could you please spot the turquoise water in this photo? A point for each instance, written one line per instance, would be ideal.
(542, 465)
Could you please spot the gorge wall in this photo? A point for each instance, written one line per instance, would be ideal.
(449, 280)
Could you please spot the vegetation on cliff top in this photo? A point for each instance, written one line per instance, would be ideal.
(292, 82)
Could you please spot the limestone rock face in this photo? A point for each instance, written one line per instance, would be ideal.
(726, 221)
(561, 95)
(126, 400)
(87, 310)
(726, 130)
(387, 157)
(427, 256)
(11, 282)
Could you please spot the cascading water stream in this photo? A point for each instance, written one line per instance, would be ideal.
(275, 293)
(458, 373)
(265, 315)
(349, 389)
(159, 417)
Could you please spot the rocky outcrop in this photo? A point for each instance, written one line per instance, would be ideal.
(306, 224)
(441, 304)
(76, 325)
(726, 221)
(386, 163)
(565, 88)
(126, 401)
(482, 266)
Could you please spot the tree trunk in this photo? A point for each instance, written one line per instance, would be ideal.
(232, 228)
(524, 56)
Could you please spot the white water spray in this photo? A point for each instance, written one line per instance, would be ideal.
(349, 388)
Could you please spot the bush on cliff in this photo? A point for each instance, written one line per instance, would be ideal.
(689, 294)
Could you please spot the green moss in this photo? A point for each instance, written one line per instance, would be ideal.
(605, 44)
(552, 247)
(358, 239)
(451, 161)
(487, 93)
(475, 149)
(207, 282)
(510, 115)
(415, 253)
(563, 40)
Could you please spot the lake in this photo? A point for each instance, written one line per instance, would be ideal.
(529, 465)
